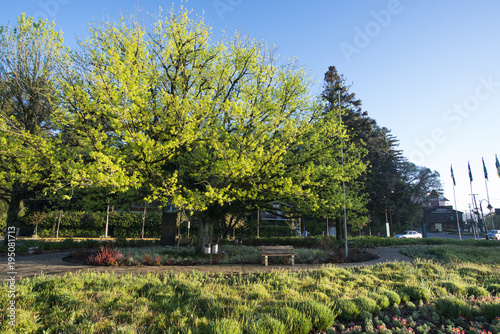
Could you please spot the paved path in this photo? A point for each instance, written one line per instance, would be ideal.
(52, 264)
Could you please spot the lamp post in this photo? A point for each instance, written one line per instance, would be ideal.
(489, 207)
(343, 182)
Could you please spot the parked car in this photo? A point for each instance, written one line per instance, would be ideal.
(493, 235)
(409, 234)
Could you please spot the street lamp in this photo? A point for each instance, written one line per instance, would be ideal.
(343, 182)
(489, 207)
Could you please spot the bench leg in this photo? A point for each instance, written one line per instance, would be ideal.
(265, 260)
(293, 260)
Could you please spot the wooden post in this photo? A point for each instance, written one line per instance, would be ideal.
(143, 220)
(59, 223)
(107, 221)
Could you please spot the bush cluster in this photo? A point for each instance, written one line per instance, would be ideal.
(92, 224)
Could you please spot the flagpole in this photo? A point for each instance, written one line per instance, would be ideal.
(456, 211)
(455, 201)
(473, 201)
(487, 195)
(472, 211)
(486, 182)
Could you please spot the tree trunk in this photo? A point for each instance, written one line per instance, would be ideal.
(340, 229)
(168, 228)
(16, 197)
(206, 222)
(205, 229)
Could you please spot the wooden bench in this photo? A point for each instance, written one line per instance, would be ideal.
(266, 251)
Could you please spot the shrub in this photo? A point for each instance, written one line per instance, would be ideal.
(348, 309)
(453, 308)
(226, 326)
(365, 303)
(475, 290)
(494, 289)
(266, 325)
(381, 299)
(104, 257)
(147, 259)
(453, 287)
(257, 291)
(394, 298)
(490, 310)
(416, 293)
(295, 321)
(322, 316)
(320, 296)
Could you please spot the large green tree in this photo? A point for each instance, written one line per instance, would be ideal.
(394, 187)
(31, 57)
(213, 128)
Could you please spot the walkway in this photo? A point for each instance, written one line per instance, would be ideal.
(52, 264)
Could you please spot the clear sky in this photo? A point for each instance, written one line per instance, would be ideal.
(427, 70)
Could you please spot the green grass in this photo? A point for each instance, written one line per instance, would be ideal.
(456, 253)
(449, 288)
(327, 299)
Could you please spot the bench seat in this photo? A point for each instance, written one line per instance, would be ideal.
(285, 251)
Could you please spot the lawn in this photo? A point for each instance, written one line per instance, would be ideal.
(425, 296)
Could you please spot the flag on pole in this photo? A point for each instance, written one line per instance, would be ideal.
(497, 164)
(453, 176)
(485, 171)
(470, 173)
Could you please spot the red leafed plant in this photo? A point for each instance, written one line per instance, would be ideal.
(149, 260)
(105, 257)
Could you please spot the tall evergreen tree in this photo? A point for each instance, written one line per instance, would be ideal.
(382, 157)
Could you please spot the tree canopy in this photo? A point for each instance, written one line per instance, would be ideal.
(31, 57)
(164, 113)
(211, 127)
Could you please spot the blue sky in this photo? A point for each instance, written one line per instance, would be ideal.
(429, 71)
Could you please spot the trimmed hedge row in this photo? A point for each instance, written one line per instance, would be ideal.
(362, 242)
(73, 244)
(92, 224)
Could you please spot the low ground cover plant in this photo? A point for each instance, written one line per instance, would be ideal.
(157, 255)
(415, 297)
